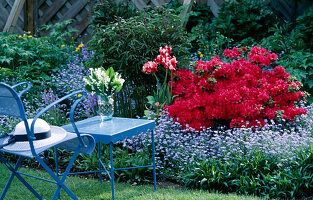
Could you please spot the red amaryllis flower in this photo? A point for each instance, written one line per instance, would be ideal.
(150, 67)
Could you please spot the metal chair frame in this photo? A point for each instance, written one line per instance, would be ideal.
(31, 138)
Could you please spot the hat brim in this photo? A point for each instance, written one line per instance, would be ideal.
(57, 135)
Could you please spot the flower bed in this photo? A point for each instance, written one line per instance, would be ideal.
(180, 151)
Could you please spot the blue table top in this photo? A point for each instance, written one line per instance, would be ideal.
(113, 130)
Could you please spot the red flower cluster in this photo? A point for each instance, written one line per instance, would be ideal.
(261, 56)
(232, 53)
(239, 93)
(164, 59)
(150, 67)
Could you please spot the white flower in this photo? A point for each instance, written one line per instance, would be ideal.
(118, 78)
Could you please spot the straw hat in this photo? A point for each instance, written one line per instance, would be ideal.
(45, 135)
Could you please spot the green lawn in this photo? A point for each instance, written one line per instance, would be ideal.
(91, 189)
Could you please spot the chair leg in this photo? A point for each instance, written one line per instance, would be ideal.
(56, 160)
(14, 170)
(57, 179)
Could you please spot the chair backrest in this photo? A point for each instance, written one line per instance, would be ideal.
(10, 102)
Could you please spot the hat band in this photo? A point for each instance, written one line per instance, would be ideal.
(38, 136)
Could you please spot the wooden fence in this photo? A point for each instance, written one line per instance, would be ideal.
(52, 11)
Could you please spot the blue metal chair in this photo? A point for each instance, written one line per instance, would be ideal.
(35, 143)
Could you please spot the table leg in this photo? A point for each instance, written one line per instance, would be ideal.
(99, 157)
(153, 159)
(112, 170)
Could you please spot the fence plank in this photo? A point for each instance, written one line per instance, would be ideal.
(187, 8)
(78, 6)
(51, 11)
(140, 4)
(14, 14)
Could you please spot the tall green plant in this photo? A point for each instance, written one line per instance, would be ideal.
(129, 43)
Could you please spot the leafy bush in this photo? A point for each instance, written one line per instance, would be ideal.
(242, 92)
(33, 59)
(108, 11)
(305, 26)
(239, 20)
(300, 64)
(128, 44)
(243, 19)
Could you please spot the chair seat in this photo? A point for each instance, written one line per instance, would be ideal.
(70, 142)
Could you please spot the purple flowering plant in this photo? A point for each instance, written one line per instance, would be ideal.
(179, 150)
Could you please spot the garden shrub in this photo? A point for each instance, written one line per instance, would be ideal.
(242, 92)
(108, 11)
(300, 64)
(33, 59)
(127, 44)
(243, 19)
(239, 20)
(305, 26)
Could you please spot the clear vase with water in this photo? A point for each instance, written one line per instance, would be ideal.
(106, 107)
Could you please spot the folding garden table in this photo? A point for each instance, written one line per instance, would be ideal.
(109, 132)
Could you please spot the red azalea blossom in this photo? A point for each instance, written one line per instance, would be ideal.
(234, 53)
(237, 94)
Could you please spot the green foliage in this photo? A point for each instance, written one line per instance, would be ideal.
(305, 26)
(214, 47)
(60, 33)
(300, 64)
(108, 11)
(122, 158)
(281, 40)
(128, 44)
(257, 175)
(242, 20)
(27, 58)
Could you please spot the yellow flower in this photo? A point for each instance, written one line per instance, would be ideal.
(81, 45)
(79, 95)
(201, 55)
(216, 45)
(30, 36)
(63, 45)
(24, 35)
(77, 49)
(20, 36)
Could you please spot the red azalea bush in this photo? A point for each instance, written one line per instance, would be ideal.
(238, 93)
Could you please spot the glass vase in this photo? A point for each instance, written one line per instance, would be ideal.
(105, 107)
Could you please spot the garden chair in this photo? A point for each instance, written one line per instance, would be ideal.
(31, 137)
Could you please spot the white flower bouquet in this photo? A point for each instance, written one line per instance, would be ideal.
(103, 82)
